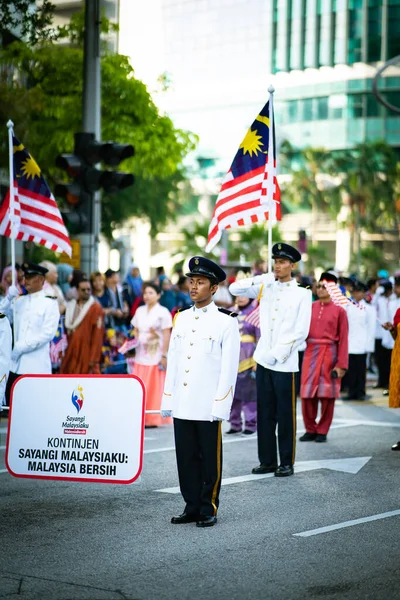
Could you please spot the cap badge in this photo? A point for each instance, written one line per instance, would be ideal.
(279, 247)
(196, 262)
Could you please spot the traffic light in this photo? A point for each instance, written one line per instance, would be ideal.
(87, 178)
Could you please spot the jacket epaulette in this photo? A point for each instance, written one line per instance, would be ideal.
(228, 312)
(51, 297)
(178, 312)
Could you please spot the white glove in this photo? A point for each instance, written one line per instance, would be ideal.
(268, 278)
(12, 292)
(216, 418)
(270, 359)
(166, 413)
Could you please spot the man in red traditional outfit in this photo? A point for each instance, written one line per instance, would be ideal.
(84, 322)
(325, 362)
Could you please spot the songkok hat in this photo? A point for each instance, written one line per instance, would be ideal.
(326, 276)
(359, 286)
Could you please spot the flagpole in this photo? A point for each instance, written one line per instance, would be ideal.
(271, 173)
(10, 126)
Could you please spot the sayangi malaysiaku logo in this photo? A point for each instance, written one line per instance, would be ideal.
(76, 425)
(77, 398)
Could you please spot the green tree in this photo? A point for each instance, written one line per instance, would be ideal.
(369, 180)
(28, 19)
(243, 244)
(45, 104)
(305, 186)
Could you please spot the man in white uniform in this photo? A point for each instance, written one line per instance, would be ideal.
(362, 320)
(285, 315)
(5, 355)
(202, 367)
(36, 322)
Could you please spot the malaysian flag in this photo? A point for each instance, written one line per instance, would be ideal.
(246, 196)
(36, 215)
(59, 344)
(254, 317)
(338, 297)
(129, 344)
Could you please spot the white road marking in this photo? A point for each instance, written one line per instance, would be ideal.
(311, 532)
(346, 465)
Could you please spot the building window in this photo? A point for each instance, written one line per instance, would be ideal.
(393, 28)
(337, 105)
(355, 106)
(322, 108)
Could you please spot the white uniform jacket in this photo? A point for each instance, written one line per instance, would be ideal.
(5, 354)
(285, 315)
(362, 323)
(392, 306)
(36, 322)
(203, 359)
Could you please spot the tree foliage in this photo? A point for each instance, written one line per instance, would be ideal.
(29, 20)
(45, 103)
(246, 244)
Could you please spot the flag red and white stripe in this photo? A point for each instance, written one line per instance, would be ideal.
(29, 212)
(338, 297)
(254, 317)
(240, 203)
(129, 344)
(37, 219)
(250, 191)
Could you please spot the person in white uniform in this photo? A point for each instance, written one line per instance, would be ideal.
(5, 355)
(202, 365)
(285, 315)
(362, 322)
(36, 322)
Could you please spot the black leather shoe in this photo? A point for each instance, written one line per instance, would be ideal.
(234, 431)
(204, 521)
(263, 468)
(321, 437)
(284, 471)
(396, 446)
(308, 437)
(248, 432)
(184, 518)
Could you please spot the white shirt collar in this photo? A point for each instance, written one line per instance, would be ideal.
(211, 306)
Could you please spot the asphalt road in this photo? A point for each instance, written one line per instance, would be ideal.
(73, 541)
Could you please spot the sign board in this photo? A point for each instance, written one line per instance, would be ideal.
(76, 428)
(75, 260)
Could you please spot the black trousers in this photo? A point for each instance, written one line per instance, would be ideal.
(11, 378)
(383, 357)
(199, 458)
(276, 406)
(356, 376)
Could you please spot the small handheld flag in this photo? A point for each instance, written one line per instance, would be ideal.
(34, 213)
(244, 198)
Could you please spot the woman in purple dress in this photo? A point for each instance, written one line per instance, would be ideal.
(245, 398)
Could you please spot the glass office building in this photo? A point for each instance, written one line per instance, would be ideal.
(327, 52)
(321, 56)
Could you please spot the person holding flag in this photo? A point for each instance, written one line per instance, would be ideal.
(285, 314)
(326, 361)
